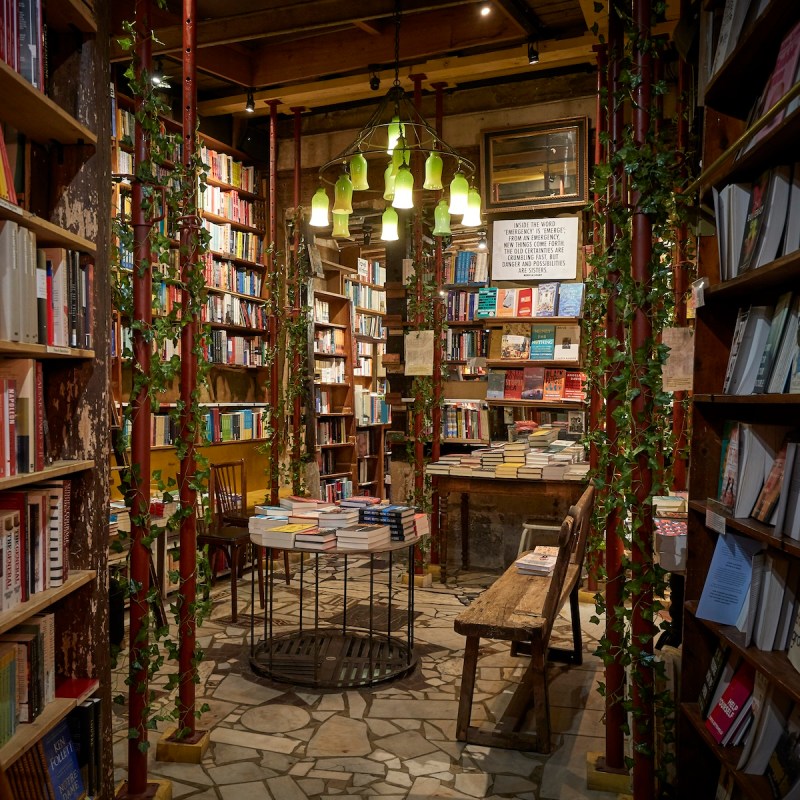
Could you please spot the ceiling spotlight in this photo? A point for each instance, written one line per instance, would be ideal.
(486, 9)
(533, 53)
(367, 230)
(158, 78)
(251, 103)
(482, 243)
(374, 81)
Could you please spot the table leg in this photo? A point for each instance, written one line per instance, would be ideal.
(443, 528)
(464, 530)
(236, 554)
(467, 687)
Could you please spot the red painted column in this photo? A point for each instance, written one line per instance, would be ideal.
(274, 377)
(615, 577)
(296, 407)
(188, 465)
(642, 627)
(438, 319)
(140, 434)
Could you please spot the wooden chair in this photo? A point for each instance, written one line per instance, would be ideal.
(521, 609)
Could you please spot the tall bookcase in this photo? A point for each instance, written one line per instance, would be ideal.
(732, 91)
(61, 171)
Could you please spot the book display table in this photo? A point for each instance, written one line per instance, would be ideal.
(549, 500)
(361, 646)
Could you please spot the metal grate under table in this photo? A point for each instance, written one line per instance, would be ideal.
(332, 659)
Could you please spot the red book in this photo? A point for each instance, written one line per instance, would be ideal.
(574, 385)
(554, 381)
(731, 703)
(513, 384)
(525, 302)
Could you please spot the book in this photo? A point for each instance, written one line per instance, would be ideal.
(773, 586)
(570, 299)
(750, 338)
(542, 344)
(733, 18)
(716, 668)
(554, 380)
(514, 346)
(787, 355)
(495, 383)
(532, 383)
(524, 302)
(567, 343)
(770, 710)
(574, 385)
(506, 302)
(775, 214)
(758, 447)
(791, 239)
(61, 761)
(539, 561)
(546, 299)
(783, 766)
(767, 502)
(754, 219)
(487, 302)
(732, 703)
(770, 351)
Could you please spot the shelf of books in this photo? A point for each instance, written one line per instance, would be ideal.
(740, 676)
(54, 314)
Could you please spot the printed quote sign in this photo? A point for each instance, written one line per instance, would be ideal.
(534, 249)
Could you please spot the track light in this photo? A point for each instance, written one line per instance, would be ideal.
(158, 78)
(251, 103)
(367, 231)
(533, 52)
(482, 243)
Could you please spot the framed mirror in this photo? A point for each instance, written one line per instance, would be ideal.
(538, 166)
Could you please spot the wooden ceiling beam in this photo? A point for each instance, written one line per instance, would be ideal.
(367, 27)
(228, 63)
(421, 36)
(523, 15)
(290, 18)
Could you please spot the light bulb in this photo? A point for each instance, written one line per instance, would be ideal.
(396, 130)
(389, 229)
(319, 209)
(388, 182)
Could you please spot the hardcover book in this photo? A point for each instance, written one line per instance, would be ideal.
(506, 302)
(62, 763)
(756, 214)
(570, 299)
(567, 342)
(546, 299)
(731, 703)
(495, 383)
(554, 384)
(532, 383)
(543, 342)
(525, 302)
(487, 302)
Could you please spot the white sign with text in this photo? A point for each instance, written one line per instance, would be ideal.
(535, 249)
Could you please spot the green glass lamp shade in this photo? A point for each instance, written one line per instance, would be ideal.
(401, 155)
(433, 172)
(459, 189)
(403, 188)
(319, 209)
(395, 131)
(358, 172)
(343, 195)
(441, 219)
(389, 230)
(388, 182)
(340, 225)
(472, 217)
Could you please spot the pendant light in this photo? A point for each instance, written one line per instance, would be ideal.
(388, 182)
(403, 188)
(395, 131)
(441, 219)
(459, 189)
(389, 230)
(343, 197)
(433, 172)
(358, 172)
(472, 217)
(341, 227)
(319, 209)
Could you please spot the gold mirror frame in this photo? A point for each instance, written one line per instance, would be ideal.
(535, 166)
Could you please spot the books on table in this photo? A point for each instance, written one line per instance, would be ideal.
(539, 561)
(363, 536)
(282, 535)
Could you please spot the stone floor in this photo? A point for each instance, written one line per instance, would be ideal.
(273, 741)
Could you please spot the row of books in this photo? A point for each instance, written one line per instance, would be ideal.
(536, 383)
(370, 271)
(465, 420)
(226, 169)
(23, 424)
(245, 351)
(222, 274)
(548, 299)
(36, 527)
(8, 189)
(228, 204)
(540, 342)
(329, 462)
(758, 222)
(226, 309)
(329, 341)
(332, 490)
(329, 370)
(366, 297)
(765, 354)
(370, 408)
(44, 292)
(22, 43)
(461, 345)
(367, 325)
(230, 242)
(332, 431)
(466, 266)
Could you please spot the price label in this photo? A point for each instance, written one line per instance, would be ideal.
(715, 521)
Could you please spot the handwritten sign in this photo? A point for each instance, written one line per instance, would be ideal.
(535, 249)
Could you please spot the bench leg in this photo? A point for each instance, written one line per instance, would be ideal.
(541, 709)
(467, 687)
(575, 614)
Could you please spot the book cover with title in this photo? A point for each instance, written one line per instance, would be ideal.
(62, 763)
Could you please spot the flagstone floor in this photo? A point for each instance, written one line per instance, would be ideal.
(273, 741)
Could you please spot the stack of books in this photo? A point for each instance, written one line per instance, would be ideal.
(399, 519)
(276, 532)
(422, 524)
(338, 517)
(319, 539)
(539, 561)
(363, 536)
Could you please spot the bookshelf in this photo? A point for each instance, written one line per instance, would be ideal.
(733, 90)
(59, 169)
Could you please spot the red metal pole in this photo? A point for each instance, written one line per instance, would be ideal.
(140, 434)
(642, 627)
(615, 577)
(274, 321)
(296, 409)
(188, 465)
(438, 318)
(595, 401)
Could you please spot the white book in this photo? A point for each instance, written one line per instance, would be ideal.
(738, 201)
(773, 587)
(787, 351)
(777, 201)
(750, 350)
(567, 343)
(730, 28)
(9, 283)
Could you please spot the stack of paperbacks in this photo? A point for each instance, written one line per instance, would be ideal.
(539, 561)
(399, 519)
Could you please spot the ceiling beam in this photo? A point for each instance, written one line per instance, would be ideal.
(290, 18)
(422, 36)
(523, 15)
(228, 63)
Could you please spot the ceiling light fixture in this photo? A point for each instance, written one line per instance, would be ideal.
(533, 52)
(251, 103)
(397, 130)
(486, 9)
(158, 78)
(482, 243)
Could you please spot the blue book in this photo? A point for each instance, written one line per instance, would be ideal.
(543, 341)
(61, 762)
(570, 299)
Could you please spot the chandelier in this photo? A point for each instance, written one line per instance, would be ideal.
(396, 135)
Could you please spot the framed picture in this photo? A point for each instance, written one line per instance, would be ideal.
(538, 166)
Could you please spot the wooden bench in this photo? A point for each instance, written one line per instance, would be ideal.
(521, 609)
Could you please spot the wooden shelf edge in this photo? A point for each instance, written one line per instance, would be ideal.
(55, 470)
(47, 233)
(41, 600)
(43, 350)
(27, 735)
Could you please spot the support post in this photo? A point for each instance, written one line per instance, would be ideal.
(140, 434)
(296, 406)
(642, 627)
(274, 326)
